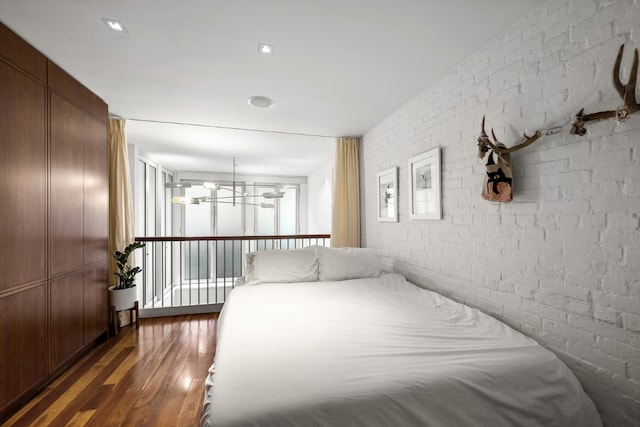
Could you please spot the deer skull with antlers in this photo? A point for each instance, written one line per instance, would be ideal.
(484, 144)
(499, 177)
(627, 93)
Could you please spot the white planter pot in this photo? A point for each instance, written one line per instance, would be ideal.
(123, 299)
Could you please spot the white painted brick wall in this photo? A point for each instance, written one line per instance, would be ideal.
(562, 261)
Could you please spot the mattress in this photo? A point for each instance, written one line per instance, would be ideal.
(380, 352)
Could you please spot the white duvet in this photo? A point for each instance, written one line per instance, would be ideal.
(380, 352)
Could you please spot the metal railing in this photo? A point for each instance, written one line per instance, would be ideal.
(196, 274)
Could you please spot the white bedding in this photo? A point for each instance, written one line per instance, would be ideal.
(380, 352)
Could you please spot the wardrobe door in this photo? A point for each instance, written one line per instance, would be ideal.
(23, 342)
(68, 136)
(66, 318)
(22, 179)
(95, 303)
(96, 192)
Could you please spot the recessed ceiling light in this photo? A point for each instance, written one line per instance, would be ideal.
(266, 48)
(260, 102)
(115, 26)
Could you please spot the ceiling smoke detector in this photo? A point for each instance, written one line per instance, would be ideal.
(260, 102)
(266, 48)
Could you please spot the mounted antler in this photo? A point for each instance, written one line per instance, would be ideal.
(484, 144)
(627, 93)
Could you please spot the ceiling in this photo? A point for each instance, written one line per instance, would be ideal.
(183, 72)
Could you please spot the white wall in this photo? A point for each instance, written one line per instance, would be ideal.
(320, 189)
(561, 262)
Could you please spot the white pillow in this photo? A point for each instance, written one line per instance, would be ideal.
(348, 263)
(283, 266)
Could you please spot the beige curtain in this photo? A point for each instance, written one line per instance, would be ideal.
(345, 215)
(120, 203)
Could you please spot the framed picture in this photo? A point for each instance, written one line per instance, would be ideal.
(424, 186)
(388, 195)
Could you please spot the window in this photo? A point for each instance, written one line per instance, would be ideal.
(254, 213)
(153, 217)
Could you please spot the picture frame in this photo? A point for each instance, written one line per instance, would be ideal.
(425, 193)
(387, 185)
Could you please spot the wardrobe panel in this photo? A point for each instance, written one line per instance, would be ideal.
(66, 318)
(95, 303)
(22, 179)
(96, 193)
(66, 217)
(22, 54)
(62, 83)
(23, 342)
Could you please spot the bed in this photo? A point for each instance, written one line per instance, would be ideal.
(323, 338)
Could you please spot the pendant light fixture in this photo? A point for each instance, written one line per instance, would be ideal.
(236, 197)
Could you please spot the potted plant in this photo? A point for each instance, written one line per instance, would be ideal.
(123, 295)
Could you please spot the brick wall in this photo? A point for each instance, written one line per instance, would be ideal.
(560, 263)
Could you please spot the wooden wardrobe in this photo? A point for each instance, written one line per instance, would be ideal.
(53, 221)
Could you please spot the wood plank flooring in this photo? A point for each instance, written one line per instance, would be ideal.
(152, 376)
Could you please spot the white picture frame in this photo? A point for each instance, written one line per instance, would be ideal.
(387, 187)
(425, 193)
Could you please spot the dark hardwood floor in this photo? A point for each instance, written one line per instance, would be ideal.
(152, 376)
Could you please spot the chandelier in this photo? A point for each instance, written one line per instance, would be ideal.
(235, 197)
